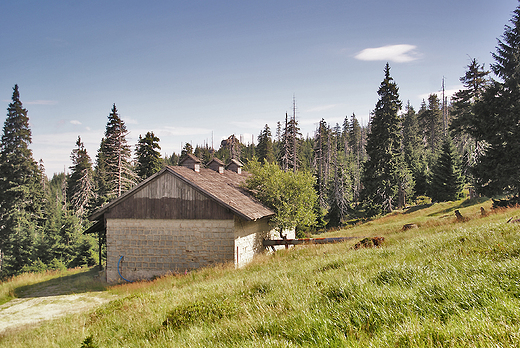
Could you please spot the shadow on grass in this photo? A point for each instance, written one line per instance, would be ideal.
(417, 208)
(81, 282)
(466, 203)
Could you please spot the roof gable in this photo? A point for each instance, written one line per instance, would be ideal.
(224, 189)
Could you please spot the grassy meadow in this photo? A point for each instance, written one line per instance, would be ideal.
(443, 284)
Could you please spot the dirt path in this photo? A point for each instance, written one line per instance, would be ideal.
(23, 311)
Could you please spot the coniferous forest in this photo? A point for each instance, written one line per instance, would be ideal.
(406, 155)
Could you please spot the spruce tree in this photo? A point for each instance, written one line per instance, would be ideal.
(149, 160)
(462, 129)
(497, 119)
(322, 154)
(117, 154)
(22, 196)
(431, 122)
(80, 183)
(381, 176)
(446, 178)
(264, 149)
(413, 148)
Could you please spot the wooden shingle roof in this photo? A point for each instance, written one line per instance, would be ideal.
(224, 188)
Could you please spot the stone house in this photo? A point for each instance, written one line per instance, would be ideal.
(182, 218)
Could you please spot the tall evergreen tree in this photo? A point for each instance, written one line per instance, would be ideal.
(149, 160)
(446, 178)
(101, 177)
(118, 155)
(432, 124)
(322, 154)
(80, 185)
(413, 148)
(475, 81)
(21, 197)
(497, 118)
(381, 178)
(291, 141)
(264, 149)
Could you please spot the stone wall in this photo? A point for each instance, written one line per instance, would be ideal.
(155, 247)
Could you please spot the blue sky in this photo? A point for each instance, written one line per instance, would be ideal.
(193, 71)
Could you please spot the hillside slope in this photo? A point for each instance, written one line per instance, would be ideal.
(445, 283)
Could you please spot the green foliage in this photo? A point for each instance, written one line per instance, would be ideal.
(497, 116)
(149, 160)
(447, 181)
(290, 195)
(383, 172)
(414, 152)
(80, 183)
(264, 149)
(431, 122)
(116, 154)
(22, 194)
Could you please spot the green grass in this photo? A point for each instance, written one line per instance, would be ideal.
(445, 284)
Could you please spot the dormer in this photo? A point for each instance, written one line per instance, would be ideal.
(216, 165)
(192, 162)
(235, 166)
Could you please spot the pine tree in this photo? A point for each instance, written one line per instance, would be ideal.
(264, 149)
(21, 199)
(80, 184)
(149, 160)
(381, 178)
(118, 155)
(497, 118)
(446, 179)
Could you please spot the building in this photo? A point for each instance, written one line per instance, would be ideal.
(182, 218)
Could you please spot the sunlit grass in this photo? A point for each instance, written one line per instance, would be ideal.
(444, 284)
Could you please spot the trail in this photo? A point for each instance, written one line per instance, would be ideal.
(25, 311)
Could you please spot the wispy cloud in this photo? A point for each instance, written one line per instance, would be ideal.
(75, 122)
(447, 93)
(41, 102)
(129, 120)
(321, 108)
(167, 130)
(391, 53)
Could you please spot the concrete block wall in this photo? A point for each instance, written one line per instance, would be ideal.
(155, 247)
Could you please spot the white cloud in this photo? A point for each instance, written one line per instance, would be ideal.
(75, 122)
(392, 53)
(448, 93)
(41, 102)
(129, 120)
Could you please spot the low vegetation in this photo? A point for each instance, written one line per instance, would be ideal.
(444, 284)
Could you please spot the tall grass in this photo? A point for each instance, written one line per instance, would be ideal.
(446, 284)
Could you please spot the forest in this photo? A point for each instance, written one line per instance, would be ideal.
(404, 156)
